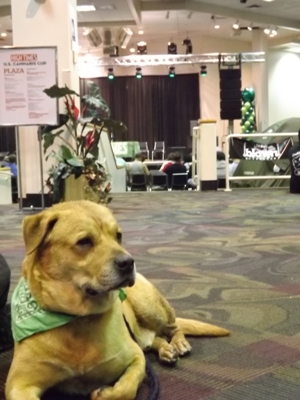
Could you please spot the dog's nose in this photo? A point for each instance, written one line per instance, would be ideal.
(124, 263)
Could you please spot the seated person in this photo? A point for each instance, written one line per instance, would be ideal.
(11, 163)
(137, 166)
(176, 168)
(169, 161)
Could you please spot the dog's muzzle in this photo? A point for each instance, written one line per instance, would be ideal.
(124, 263)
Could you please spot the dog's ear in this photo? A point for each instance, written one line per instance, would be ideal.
(35, 229)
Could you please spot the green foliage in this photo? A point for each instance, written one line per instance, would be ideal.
(94, 100)
(56, 92)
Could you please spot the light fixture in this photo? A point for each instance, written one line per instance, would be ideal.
(203, 70)
(216, 25)
(236, 25)
(141, 32)
(274, 31)
(172, 72)
(189, 48)
(172, 48)
(267, 30)
(138, 73)
(86, 8)
(142, 48)
(132, 49)
(3, 34)
(249, 27)
(110, 74)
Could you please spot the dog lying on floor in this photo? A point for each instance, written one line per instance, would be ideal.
(68, 322)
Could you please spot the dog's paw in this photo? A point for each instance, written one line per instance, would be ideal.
(182, 346)
(168, 354)
(110, 393)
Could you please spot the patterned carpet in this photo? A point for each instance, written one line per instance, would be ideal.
(227, 258)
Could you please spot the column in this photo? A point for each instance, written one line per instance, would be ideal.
(46, 24)
(207, 157)
(260, 80)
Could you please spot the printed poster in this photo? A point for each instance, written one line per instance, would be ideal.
(24, 74)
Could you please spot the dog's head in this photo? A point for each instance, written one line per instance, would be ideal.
(75, 262)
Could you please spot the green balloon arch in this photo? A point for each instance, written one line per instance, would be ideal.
(248, 122)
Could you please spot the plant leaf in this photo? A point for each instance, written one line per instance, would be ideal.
(75, 162)
(56, 92)
(66, 152)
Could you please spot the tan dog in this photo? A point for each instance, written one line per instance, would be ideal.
(75, 264)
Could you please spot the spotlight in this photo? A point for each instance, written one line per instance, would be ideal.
(172, 48)
(274, 31)
(236, 25)
(250, 27)
(189, 49)
(142, 48)
(267, 30)
(187, 42)
(172, 72)
(217, 26)
(203, 70)
(110, 74)
(138, 73)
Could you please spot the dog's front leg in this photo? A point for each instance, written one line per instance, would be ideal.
(127, 386)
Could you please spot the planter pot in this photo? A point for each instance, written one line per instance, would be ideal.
(74, 188)
(77, 189)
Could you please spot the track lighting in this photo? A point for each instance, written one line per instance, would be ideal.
(142, 48)
(203, 70)
(172, 72)
(249, 27)
(236, 25)
(274, 31)
(138, 73)
(110, 74)
(267, 30)
(172, 48)
(216, 25)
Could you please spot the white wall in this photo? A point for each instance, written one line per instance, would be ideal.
(209, 85)
(284, 85)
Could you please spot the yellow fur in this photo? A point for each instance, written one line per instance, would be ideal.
(95, 349)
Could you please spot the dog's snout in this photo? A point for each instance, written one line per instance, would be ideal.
(124, 263)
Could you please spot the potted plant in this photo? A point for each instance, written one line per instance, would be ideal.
(77, 173)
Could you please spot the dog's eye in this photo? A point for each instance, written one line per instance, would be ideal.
(119, 237)
(85, 242)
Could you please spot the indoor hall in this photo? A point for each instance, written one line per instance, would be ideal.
(229, 259)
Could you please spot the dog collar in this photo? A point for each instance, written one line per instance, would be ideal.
(28, 318)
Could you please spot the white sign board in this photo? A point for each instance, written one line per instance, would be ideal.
(24, 74)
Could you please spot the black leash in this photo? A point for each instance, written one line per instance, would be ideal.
(151, 374)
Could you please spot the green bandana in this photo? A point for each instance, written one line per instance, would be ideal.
(29, 318)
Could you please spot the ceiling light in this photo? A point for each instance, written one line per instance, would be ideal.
(86, 8)
(3, 34)
(142, 47)
(203, 70)
(217, 26)
(172, 48)
(236, 25)
(172, 72)
(138, 73)
(140, 32)
(110, 74)
(250, 27)
(132, 50)
(269, 1)
(274, 31)
(267, 30)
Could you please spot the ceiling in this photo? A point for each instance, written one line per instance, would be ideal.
(177, 19)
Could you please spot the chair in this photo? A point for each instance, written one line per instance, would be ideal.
(178, 181)
(159, 148)
(138, 182)
(159, 180)
(144, 148)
